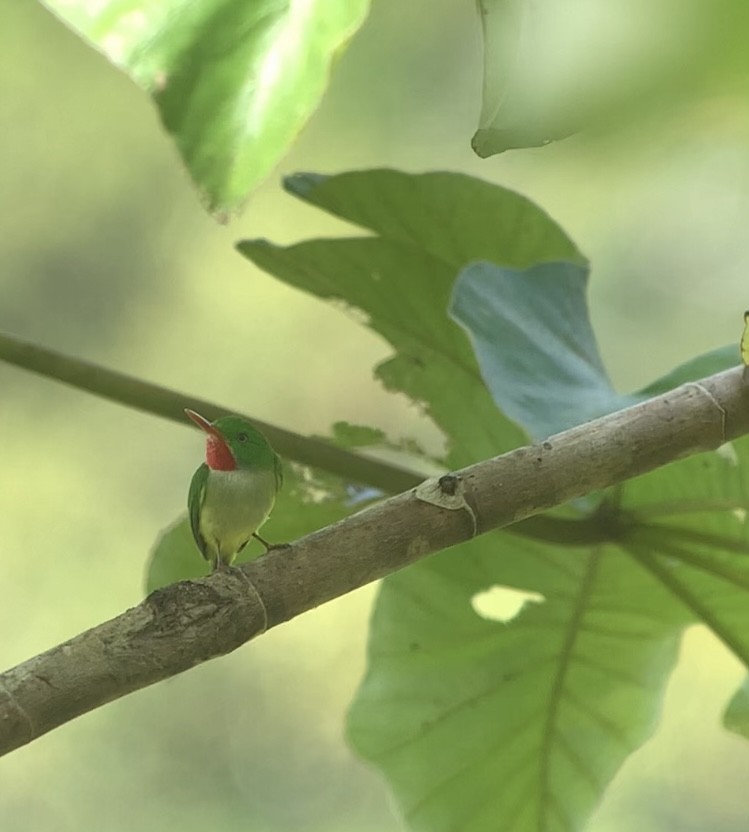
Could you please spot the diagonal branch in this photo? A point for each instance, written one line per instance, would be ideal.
(170, 404)
(190, 622)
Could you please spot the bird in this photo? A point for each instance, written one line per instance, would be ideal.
(233, 492)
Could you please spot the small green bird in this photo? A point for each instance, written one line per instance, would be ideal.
(233, 492)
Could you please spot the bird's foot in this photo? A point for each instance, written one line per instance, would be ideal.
(271, 546)
(274, 546)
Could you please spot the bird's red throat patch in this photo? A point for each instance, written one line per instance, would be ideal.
(218, 456)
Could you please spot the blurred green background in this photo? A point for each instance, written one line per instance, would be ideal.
(106, 253)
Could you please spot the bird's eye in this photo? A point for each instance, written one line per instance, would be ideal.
(242, 437)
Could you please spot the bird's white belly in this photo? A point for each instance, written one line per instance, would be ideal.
(236, 504)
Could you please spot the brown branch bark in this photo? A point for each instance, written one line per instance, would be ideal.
(187, 623)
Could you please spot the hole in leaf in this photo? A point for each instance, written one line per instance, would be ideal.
(501, 603)
(728, 452)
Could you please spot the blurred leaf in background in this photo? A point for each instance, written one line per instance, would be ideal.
(524, 724)
(427, 227)
(555, 68)
(234, 82)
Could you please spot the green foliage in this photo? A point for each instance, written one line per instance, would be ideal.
(521, 725)
(736, 717)
(518, 724)
(515, 104)
(432, 352)
(551, 70)
(480, 719)
(357, 436)
(351, 436)
(535, 344)
(234, 81)
(703, 365)
(427, 228)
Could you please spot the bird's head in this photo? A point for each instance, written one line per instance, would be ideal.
(232, 442)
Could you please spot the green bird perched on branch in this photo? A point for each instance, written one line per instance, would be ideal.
(232, 493)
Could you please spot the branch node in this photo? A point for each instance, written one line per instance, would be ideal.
(723, 414)
(447, 492)
(259, 599)
(20, 710)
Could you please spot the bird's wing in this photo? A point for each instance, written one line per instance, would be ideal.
(194, 502)
(279, 472)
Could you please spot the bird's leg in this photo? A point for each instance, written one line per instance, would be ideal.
(270, 546)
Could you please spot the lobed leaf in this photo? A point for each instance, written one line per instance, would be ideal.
(399, 282)
(519, 724)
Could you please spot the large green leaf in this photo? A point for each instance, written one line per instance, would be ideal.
(520, 725)
(234, 81)
(482, 725)
(428, 227)
(535, 345)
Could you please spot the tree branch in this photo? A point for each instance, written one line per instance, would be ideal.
(187, 623)
(170, 404)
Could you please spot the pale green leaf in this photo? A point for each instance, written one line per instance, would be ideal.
(516, 104)
(483, 724)
(428, 227)
(480, 724)
(553, 68)
(234, 81)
